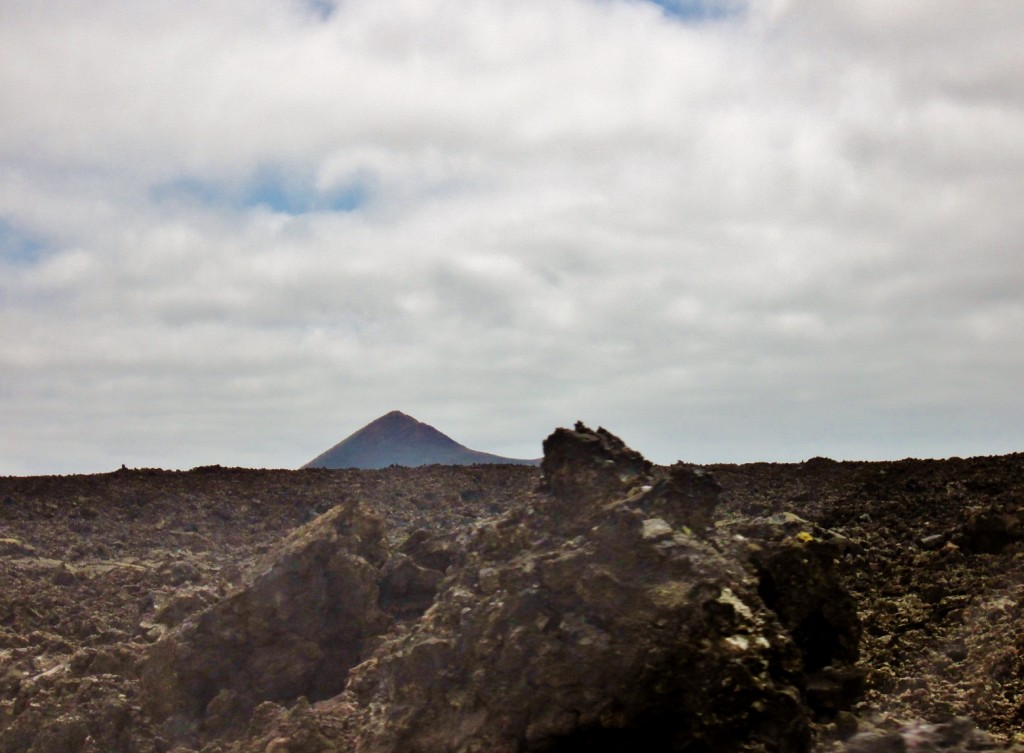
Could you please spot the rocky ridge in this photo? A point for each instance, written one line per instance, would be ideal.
(604, 604)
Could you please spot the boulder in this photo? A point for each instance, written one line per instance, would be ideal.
(406, 588)
(582, 622)
(585, 466)
(295, 628)
(686, 495)
(796, 565)
(991, 529)
(432, 552)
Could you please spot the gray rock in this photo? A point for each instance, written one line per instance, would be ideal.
(876, 742)
(294, 629)
(655, 529)
(932, 542)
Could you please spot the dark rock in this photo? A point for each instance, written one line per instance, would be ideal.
(179, 572)
(955, 650)
(688, 497)
(799, 583)
(64, 734)
(618, 633)
(181, 604)
(913, 485)
(990, 530)
(432, 552)
(583, 465)
(10, 682)
(831, 690)
(942, 625)
(876, 742)
(777, 527)
(958, 735)
(795, 564)
(227, 713)
(588, 640)
(406, 589)
(63, 576)
(294, 630)
(113, 660)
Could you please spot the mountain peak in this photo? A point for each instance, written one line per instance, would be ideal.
(395, 418)
(397, 438)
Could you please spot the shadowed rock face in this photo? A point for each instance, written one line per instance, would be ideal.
(294, 630)
(582, 465)
(398, 439)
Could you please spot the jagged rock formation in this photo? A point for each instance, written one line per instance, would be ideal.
(398, 439)
(601, 613)
(580, 623)
(294, 630)
(95, 569)
(584, 466)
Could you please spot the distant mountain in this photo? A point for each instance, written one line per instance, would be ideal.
(398, 439)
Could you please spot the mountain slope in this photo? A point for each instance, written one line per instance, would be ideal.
(398, 439)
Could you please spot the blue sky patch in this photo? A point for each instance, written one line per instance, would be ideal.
(17, 247)
(322, 8)
(286, 196)
(269, 189)
(698, 10)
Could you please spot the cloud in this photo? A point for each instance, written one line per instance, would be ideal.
(235, 232)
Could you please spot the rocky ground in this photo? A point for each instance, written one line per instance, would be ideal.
(599, 603)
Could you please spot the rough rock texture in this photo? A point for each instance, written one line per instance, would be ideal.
(957, 735)
(989, 529)
(799, 579)
(686, 495)
(95, 569)
(586, 467)
(580, 623)
(295, 630)
(406, 588)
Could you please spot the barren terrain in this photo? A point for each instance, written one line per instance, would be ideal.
(109, 580)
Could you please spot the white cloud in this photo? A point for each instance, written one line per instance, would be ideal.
(783, 231)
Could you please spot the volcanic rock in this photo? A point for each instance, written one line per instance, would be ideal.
(579, 623)
(993, 528)
(294, 630)
(958, 735)
(586, 466)
(686, 495)
(799, 580)
(11, 547)
(406, 589)
(930, 551)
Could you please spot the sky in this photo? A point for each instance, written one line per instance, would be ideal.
(236, 231)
